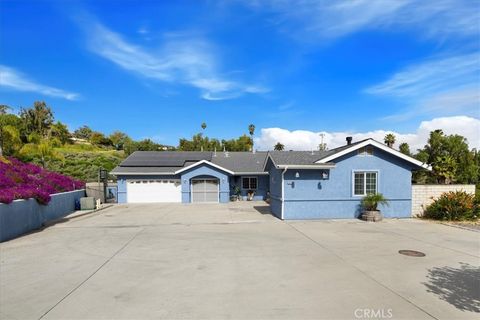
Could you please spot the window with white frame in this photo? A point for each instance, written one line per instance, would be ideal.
(249, 183)
(364, 182)
(366, 151)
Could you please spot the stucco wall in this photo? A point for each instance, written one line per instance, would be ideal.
(424, 194)
(205, 170)
(311, 197)
(22, 216)
(262, 186)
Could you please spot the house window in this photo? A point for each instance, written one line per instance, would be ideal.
(366, 151)
(249, 183)
(364, 183)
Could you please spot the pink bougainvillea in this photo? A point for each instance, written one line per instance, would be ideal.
(20, 180)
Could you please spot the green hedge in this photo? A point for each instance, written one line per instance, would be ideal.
(454, 206)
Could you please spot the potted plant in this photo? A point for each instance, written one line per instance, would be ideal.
(236, 193)
(370, 206)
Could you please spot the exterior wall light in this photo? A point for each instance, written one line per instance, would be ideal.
(325, 174)
(297, 174)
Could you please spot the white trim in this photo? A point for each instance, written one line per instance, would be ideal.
(142, 173)
(204, 162)
(283, 193)
(380, 146)
(251, 173)
(364, 171)
(307, 166)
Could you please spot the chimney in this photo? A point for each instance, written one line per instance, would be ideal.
(349, 141)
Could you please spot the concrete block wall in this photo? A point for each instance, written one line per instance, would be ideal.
(22, 216)
(424, 194)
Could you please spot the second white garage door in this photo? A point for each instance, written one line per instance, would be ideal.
(147, 191)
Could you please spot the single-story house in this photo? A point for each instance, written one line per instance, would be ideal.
(298, 184)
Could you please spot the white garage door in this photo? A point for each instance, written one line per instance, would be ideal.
(143, 191)
(205, 190)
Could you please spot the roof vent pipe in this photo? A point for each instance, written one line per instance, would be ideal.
(349, 140)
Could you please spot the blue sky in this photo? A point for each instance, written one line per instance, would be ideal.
(158, 69)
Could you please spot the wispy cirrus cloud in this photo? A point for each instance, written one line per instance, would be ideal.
(15, 80)
(189, 61)
(332, 19)
(440, 86)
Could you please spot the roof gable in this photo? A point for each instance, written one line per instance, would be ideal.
(199, 163)
(353, 147)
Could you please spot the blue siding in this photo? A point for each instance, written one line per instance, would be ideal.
(262, 187)
(311, 197)
(204, 171)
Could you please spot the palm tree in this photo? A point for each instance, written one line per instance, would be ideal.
(389, 140)
(279, 147)
(251, 130)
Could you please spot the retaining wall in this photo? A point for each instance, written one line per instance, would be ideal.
(424, 194)
(22, 216)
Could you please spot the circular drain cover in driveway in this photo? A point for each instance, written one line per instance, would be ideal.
(412, 253)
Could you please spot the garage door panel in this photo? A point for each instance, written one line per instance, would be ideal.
(205, 190)
(149, 191)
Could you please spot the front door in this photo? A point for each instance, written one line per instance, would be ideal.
(205, 190)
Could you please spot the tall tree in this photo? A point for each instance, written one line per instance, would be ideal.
(118, 139)
(389, 139)
(84, 132)
(60, 131)
(251, 131)
(405, 148)
(279, 147)
(37, 119)
(4, 109)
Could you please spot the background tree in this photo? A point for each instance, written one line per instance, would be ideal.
(118, 139)
(405, 148)
(251, 131)
(4, 109)
(389, 139)
(37, 119)
(279, 147)
(60, 131)
(84, 132)
(43, 150)
(99, 139)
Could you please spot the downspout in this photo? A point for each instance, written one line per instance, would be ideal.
(283, 190)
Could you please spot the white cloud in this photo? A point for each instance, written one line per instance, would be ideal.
(332, 19)
(13, 79)
(439, 86)
(188, 61)
(307, 140)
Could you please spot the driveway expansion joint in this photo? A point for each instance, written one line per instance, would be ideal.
(91, 275)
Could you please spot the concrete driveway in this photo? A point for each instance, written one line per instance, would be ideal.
(237, 261)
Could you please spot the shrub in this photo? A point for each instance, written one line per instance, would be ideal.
(20, 180)
(371, 201)
(454, 205)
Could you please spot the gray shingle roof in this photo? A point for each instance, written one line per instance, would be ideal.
(164, 158)
(246, 162)
(238, 162)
